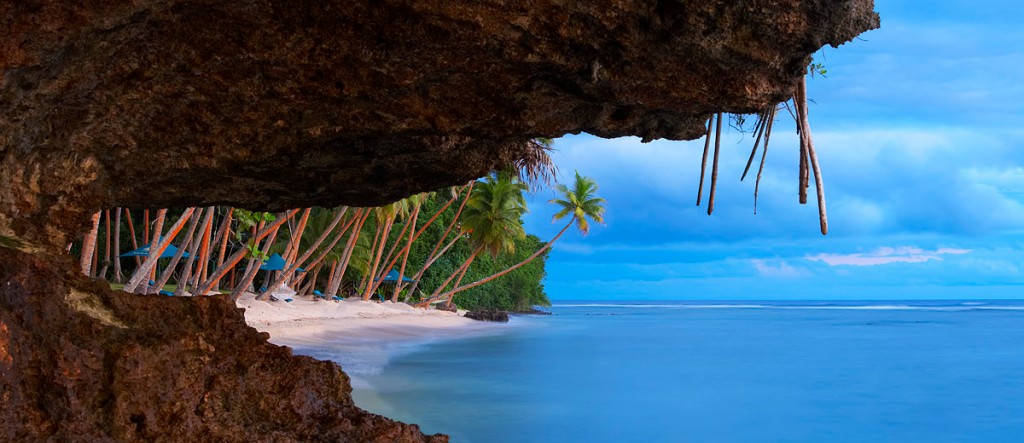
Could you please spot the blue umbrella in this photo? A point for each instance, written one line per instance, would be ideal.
(144, 252)
(276, 263)
(393, 277)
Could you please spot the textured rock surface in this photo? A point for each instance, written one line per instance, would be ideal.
(282, 103)
(488, 315)
(269, 104)
(104, 366)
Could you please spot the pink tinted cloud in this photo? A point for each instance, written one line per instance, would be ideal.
(886, 255)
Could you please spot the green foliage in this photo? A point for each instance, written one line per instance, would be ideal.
(817, 69)
(493, 215)
(519, 290)
(580, 202)
(245, 221)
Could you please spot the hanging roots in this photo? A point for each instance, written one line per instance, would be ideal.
(763, 130)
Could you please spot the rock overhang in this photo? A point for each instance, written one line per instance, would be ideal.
(275, 103)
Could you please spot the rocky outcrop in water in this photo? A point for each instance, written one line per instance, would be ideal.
(268, 104)
(488, 315)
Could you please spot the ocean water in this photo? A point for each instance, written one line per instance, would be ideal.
(713, 372)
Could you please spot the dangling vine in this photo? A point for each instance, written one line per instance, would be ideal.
(808, 162)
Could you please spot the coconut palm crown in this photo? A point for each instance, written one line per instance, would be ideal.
(580, 202)
(492, 217)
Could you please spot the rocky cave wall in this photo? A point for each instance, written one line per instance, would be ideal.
(269, 104)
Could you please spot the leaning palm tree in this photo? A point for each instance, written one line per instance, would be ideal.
(492, 220)
(89, 245)
(580, 202)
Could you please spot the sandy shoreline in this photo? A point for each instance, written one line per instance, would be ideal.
(304, 320)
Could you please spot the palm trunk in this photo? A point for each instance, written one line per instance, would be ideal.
(251, 264)
(390, 258)
(89, 245)
(239, 254)
(222, 237)
(194, 245)
(455, 219)
(419, 275)
(450, 302)
(347, 254)
(291, 269)
(186, 241)
(405, 254)
(363, 287)
(371, 275)
(255, 267)
(465, 265)
(330, 277)
(451, 294)
(235, 258)
(337, 237)
(296, 238)
(118, 273)
(311, 284)
(131, 230)
(139, 282)
(202, 262)
(106, 249)
(293, 244)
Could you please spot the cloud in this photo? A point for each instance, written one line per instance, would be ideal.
(886, 255)
(777, 269)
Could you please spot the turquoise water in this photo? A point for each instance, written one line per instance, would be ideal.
(718, 372)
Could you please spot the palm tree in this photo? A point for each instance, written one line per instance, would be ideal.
(201, 239)
(435, 253)
(580, 202)
(237, 256)
(185, 243)
(492, 221)
(138, 283)
(118, 274)
(385, 214)
(352, 247)
(89, 245)
(106, 250)
(322, 228)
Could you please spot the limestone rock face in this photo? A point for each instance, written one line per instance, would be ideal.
(268, 104)
(282, 103)
(79, 362)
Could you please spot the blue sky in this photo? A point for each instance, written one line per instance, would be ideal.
(919, 129)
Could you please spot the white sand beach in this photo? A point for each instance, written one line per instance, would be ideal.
(303, 320)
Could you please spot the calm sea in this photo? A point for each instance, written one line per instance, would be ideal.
(713, 372)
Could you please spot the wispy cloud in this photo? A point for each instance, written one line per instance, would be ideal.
(777, 269)
(886, 255)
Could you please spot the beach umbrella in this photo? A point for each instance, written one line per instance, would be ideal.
(144, 252)
(276, 263)
(393, 277)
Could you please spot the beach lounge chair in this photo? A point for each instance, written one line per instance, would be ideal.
(336, 298)
(318, 294)
(167, 293)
